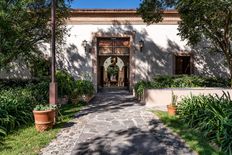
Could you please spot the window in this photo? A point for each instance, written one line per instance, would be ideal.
(183, 64)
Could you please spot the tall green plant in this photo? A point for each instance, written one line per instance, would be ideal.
(83, 87)
(211, 115)
(16, 105)
(65, 83)
(16, 108)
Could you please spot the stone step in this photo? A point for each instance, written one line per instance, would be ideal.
(113, 89)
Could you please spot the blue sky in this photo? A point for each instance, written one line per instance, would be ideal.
(105, 4)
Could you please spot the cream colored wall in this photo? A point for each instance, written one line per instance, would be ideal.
(161, 41)
(15, 70)
(156, 58)
(160, 98)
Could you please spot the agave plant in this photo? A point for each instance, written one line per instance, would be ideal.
(174, 99)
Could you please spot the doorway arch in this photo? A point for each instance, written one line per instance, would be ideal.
(114, 72)
(113, 45)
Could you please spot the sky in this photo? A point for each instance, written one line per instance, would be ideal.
(105, 4)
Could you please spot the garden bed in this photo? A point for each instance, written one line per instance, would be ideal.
(18, 98)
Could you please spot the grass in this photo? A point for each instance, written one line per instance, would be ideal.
(194, 139)
(27, 140)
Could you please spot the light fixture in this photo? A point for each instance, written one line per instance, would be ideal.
(141, 45)
(85, 43)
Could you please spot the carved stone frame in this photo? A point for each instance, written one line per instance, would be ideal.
(94, 55)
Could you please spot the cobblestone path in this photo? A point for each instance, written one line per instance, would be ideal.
(115, 124)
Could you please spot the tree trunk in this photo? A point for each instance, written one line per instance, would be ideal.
(228, 57)
(230, 68)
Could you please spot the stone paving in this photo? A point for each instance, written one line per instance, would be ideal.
(116, 124)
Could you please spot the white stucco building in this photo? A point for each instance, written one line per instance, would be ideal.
(121, 38)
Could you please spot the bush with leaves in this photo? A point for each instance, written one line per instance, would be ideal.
(15, 108)
(140, 86)
(83, 87)
(211, 115)
(17, 101)
(65, 83)
(39, 91)
(6, 84)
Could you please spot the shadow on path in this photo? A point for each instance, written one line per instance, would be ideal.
(133, 141)
(110, 102)
(119, 125)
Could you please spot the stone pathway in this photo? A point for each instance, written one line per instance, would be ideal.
(115, 124)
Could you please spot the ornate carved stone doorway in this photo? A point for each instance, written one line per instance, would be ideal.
(113, 62)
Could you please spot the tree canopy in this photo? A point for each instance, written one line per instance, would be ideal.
(24, 24)
(209, 20)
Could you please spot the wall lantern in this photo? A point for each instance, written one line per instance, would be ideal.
(141, 45)
(84, 43)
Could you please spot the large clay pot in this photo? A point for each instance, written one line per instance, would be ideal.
(171, 110)
(44, 120)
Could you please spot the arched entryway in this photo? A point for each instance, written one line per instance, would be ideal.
(113, 62)
(114, 72)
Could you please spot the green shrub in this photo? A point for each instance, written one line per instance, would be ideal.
(40, 91)
(88, 87)
(211, 115)
(65, 83)
(83, 87)
(187, 81)
(16, 104)
(141, 85)
(2, 134)
(180, 81)
(216, 82)
(16, 83)
(15, 108)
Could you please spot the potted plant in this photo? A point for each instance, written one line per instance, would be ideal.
(44, 116)
(172, 107)
(113, 72)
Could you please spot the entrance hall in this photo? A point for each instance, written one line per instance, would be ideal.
(113, 62)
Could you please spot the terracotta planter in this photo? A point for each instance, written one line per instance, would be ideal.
(171, 110)
(44, 120)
